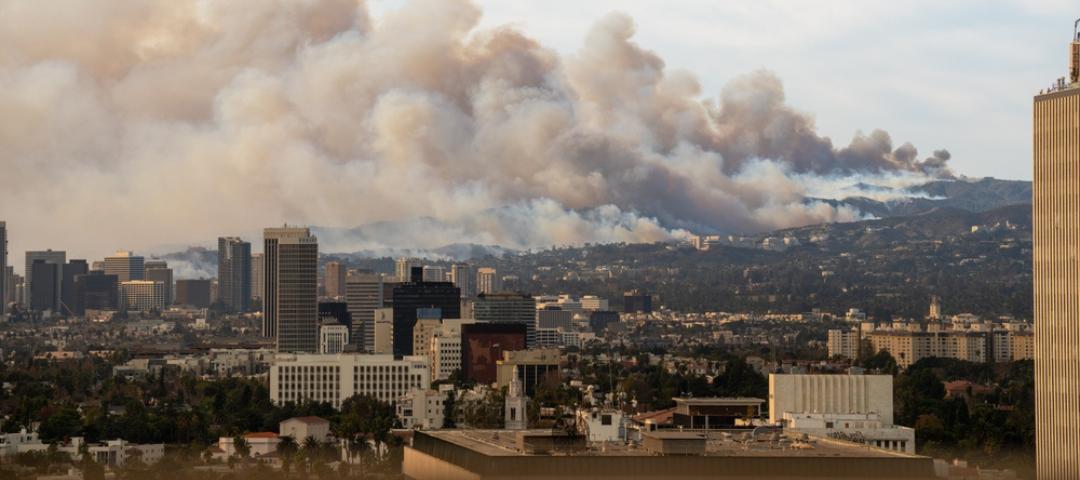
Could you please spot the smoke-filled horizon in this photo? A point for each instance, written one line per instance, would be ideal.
(140, 125)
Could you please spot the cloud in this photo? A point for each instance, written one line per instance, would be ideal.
(176, 121)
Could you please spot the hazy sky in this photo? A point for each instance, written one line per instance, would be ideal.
(158, 124)
(957, 75)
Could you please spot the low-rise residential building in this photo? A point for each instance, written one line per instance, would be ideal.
(424, 409)
(302, 428)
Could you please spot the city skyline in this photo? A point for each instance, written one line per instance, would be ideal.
(200, 178)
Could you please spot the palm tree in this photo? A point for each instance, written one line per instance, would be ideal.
(241, 447)
(286, 450)
(311, 450)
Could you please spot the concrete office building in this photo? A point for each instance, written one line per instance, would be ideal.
(334, 280)
(54, 257)
(403, 269)
(332, 338)
(532, 367)
(363, 295)
(552, 317)
(290, 300)
(636, 301)
(193, 293)
(383, 331)
(507, 307)
(234, 274)
(142, 295)
(445, 348)
(464, 278)
(334, 378)
(848, 407)
(126, 266)
(487, 280)
(1056, 236)
(4, 277)
(594, 303)
(411, 297)
(838, 394)
(159, 271)
(257, 285)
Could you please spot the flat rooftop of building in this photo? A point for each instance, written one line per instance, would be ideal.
(503, 443)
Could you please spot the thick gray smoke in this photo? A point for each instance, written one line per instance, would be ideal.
(170, 122)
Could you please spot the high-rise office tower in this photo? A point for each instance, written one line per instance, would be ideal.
(417, 294)
(290, 299)
(1056, 234)
(463, 277)
(434, 273)
(487, 280)
(364, 295)
(506, 307)
(68, 294)
(159, 271)
(334, 280)
(96, 291)
(234, 274)
(54, 257)
(257, 285)
(125, 265)
(45, 290)
(3, 268)
(9, 285)
(403, 269)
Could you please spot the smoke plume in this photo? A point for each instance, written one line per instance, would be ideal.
(171, 122)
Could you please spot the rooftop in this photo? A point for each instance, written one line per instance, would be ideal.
(502, 443)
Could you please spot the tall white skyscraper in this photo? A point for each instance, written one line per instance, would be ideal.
(290, 299)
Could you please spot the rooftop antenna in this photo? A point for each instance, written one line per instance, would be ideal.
(1076, 30)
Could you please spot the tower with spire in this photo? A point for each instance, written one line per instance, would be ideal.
(515, 404)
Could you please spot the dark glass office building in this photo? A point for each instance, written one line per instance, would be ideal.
(96, 291)
(417, 294)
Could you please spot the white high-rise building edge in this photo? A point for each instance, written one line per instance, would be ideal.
(290, 298)
(402, 269)
(487, 280)
(4, 287)
(295, 378)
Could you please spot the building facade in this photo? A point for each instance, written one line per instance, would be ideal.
(464, 278)
(159, 271)
(193, 293)
(334, 378)
(844, 343)
(257, 284)
(142, 295)
(506, 307)
(332, 338)
(487, 280)
(290, 301)
(334, 279)
(54, 257)
(234, 274)
(415, 295)
(832, 394)
(126, 266)
(364, 295)
(1056, 235)
(3, 268)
